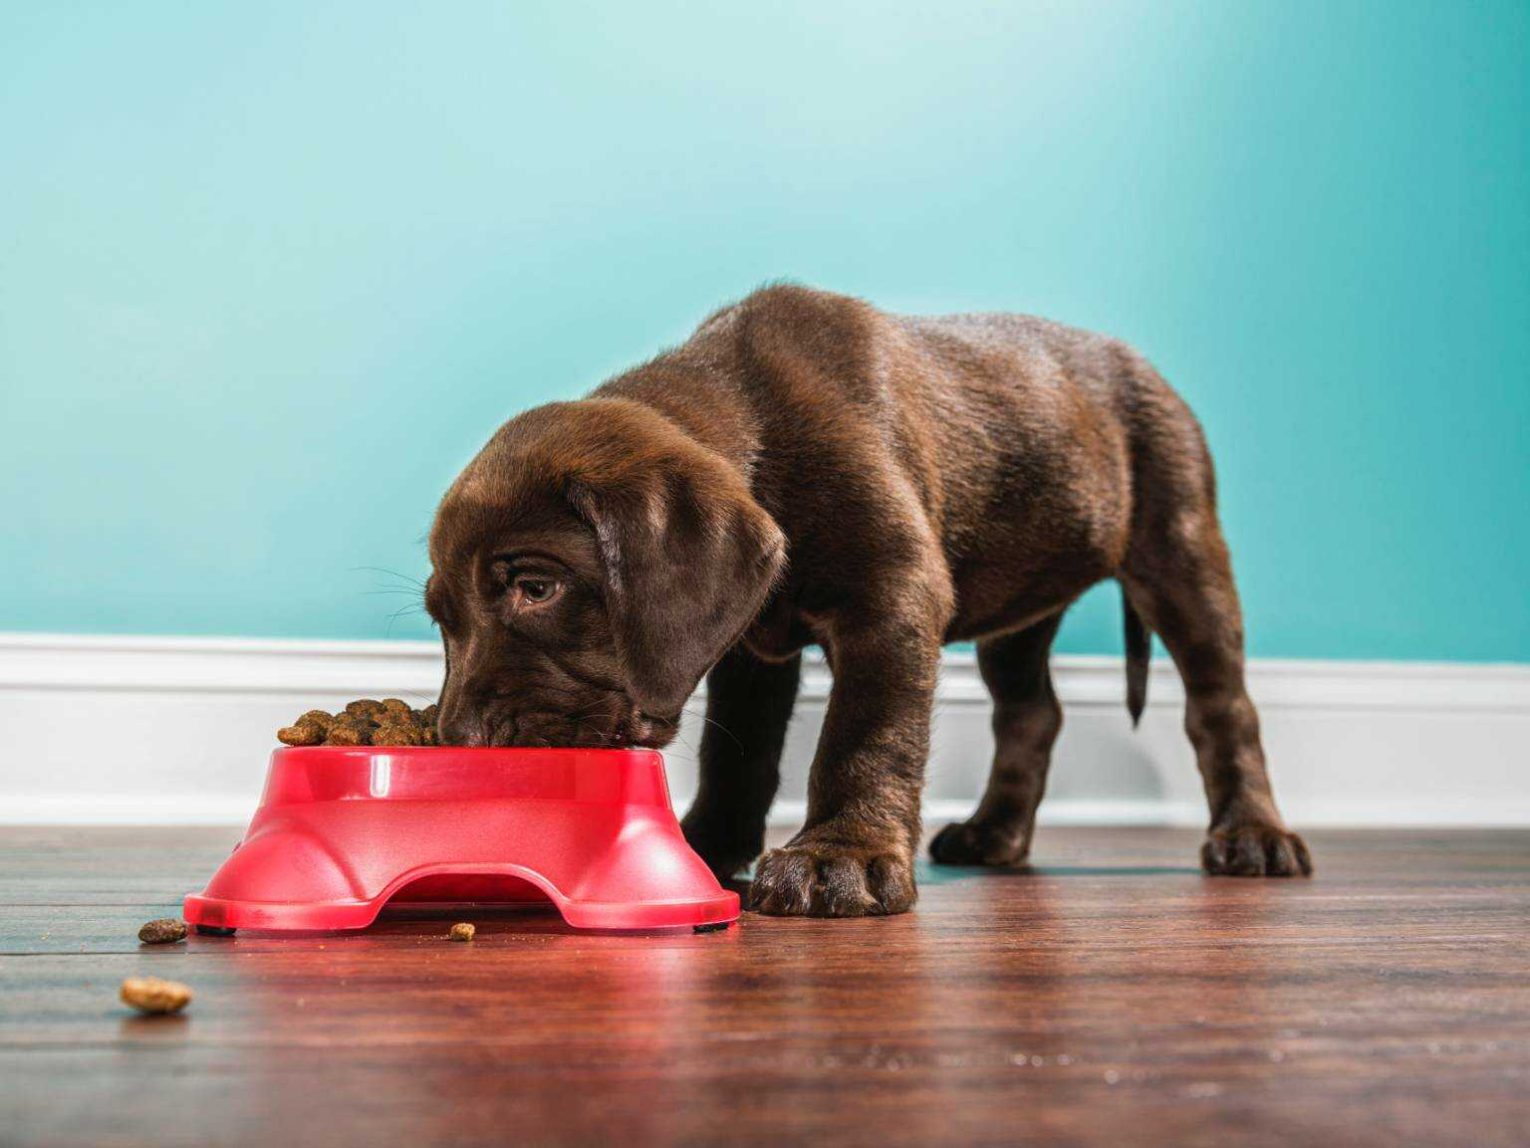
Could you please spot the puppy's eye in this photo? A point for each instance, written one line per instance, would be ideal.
(536, 590)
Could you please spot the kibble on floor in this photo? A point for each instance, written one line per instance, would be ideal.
(154, 996)
(162, 931)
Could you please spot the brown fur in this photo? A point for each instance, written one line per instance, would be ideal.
(807, 469)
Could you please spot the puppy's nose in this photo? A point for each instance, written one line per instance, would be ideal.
(471, 735)
(460, 725)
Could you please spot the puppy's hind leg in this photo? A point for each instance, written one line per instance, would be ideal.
(1026, 721)
(1182, 585)
(749, 702)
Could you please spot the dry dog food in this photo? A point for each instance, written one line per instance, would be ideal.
(462, 931)
(365, 721)
(162, 931)
(154, 996)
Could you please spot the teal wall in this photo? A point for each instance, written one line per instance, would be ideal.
(270, 273)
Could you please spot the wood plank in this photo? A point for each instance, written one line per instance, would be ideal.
(1112, 993)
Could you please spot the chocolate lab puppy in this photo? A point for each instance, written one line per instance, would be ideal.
(807, 469)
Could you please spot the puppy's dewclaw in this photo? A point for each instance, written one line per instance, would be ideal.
(153, 996)
(162, 931)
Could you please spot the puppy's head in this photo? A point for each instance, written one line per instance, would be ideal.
(590, 565)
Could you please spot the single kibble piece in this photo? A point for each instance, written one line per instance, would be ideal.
(304, 733)
(347, 735)
(390, 733)
(321, 718)
(462, 932)
(364, 707)
(162, 931)
(396, 708)
(154, 996)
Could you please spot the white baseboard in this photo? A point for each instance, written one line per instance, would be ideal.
(112, 730)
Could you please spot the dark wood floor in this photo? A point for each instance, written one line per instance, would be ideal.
(1112, 995)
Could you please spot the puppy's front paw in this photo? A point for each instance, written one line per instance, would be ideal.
(974, 843)
(831, 880)
(1255, 851)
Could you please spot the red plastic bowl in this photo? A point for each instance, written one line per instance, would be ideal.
(341, 832)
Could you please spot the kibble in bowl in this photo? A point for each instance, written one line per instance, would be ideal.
(364, 721)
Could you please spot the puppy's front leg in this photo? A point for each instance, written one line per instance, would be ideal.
(749, 703)
(855, 854)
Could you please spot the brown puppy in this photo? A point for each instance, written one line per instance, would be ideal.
(807, 469)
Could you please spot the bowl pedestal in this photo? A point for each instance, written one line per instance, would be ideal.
(341, 832)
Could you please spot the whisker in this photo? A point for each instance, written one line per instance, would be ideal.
(419, 695)
(392, 574)
(606, 738)
(397, 614)
(725, 729)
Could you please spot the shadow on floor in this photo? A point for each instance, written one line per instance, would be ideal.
(930, 873)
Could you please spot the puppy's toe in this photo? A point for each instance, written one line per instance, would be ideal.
(841, 889)
(972, 843)
(783, 884)
(1255, 851)
(891, 881)
(831, 881)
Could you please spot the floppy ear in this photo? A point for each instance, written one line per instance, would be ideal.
(690, 559)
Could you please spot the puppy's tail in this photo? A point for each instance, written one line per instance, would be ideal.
(1139, 648)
